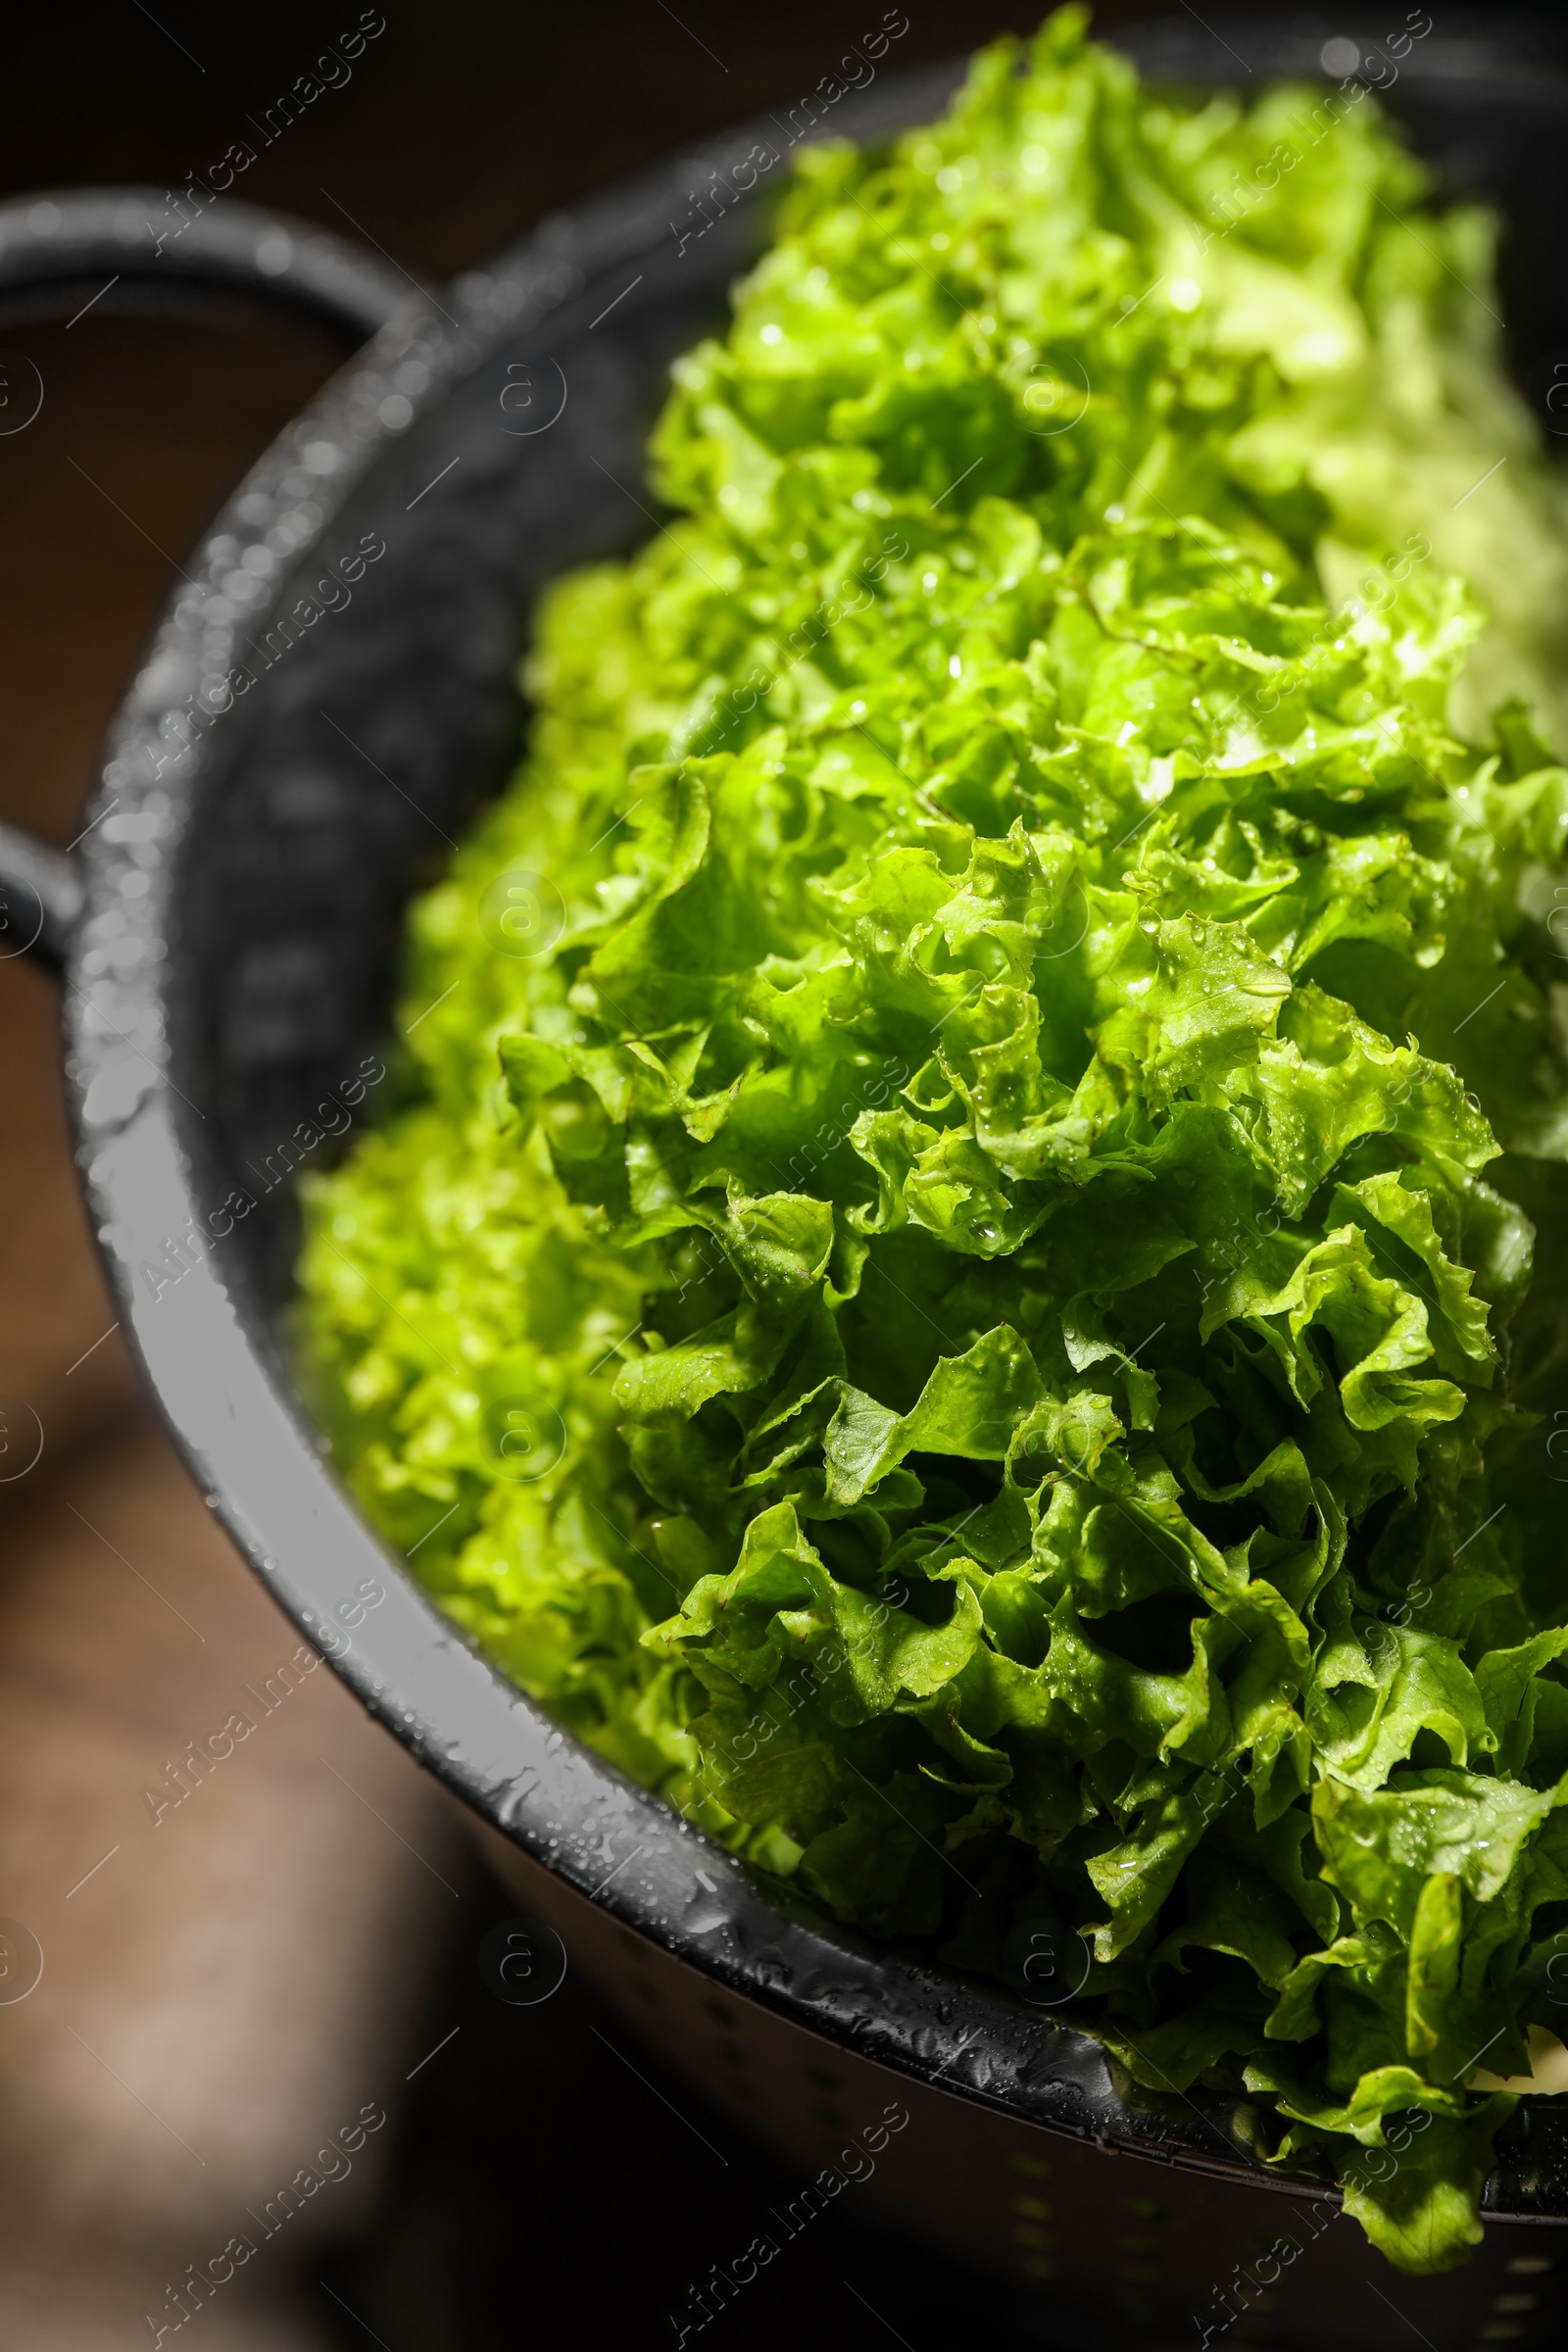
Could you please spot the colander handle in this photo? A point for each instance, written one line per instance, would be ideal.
(136, 248)
(40, 898)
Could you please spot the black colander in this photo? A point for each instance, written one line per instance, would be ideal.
(327, 698)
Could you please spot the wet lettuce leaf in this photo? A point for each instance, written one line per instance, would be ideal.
(953, 1284)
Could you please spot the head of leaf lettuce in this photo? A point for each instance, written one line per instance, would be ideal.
(973, 1295)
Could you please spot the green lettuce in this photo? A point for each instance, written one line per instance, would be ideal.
(951, 1283)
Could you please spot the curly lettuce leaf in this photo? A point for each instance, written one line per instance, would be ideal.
(959, 1297)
